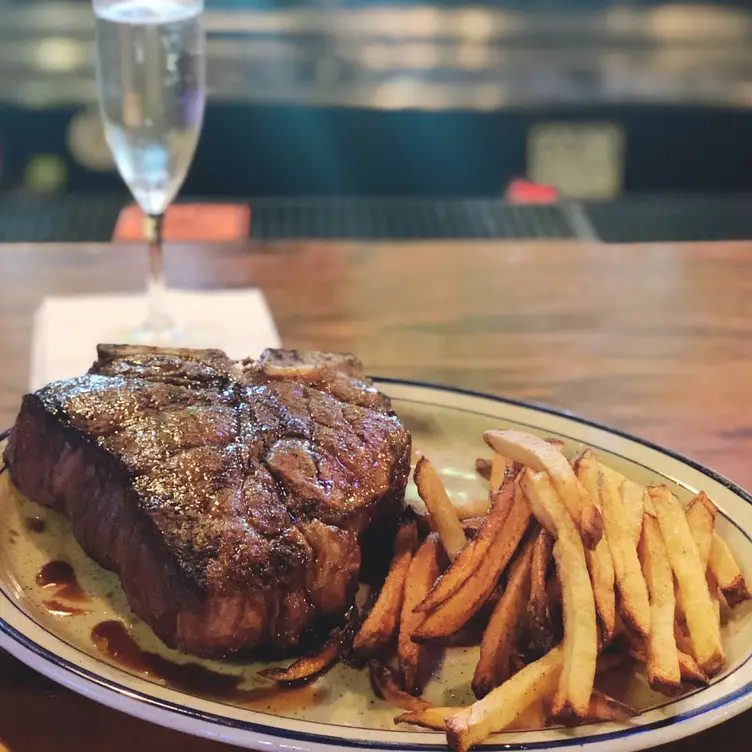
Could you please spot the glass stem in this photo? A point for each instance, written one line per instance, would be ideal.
(157, 318)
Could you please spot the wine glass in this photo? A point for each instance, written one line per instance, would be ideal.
(152, 90)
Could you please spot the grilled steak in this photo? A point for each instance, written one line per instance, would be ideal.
(230, 497)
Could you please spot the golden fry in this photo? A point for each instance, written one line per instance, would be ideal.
(421, 574)
(430, 718)
(474, 553)
(464, 603)
(580, 630)
(381, 623)
(727, 573)
(635, 604)
(632, 499)
(599, 561)
(537, 454)
(704, 629)
(499, 467)
(662, 654)
(493, 667)
(442, 513)
(501, 707)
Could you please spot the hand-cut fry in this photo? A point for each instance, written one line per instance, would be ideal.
(727, 573)
(381, 623)
(701, 514)
(308, 666)
(688, 667)
(503, 705)
(443, 515)
(483, 467)
(385, 684)
(421, 574)
(470, 509)
(663, 656)
(580, 631)
(474, 553)
(464, 603)
(532, 718)
(431, 717)
(499, 467)
(635, 604)
(541, 632)
(599, 561)
(605, 708)
(704, 629)
(632, 498)
(615, 475)
(537, 454)
(493, 667)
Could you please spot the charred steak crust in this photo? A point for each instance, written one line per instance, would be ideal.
(228, 496)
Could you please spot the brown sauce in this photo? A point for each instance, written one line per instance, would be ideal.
(60, 575)
(56, 608)
(111, 638)
(35, 524)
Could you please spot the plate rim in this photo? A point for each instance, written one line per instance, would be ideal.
(732, 700)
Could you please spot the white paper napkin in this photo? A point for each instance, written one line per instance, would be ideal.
(67, 329)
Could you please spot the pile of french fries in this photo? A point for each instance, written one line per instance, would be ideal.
(567, 570)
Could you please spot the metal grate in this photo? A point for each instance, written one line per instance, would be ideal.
(672, 219)
(73, 219)
(404, 219)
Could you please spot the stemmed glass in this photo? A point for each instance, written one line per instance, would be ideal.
(151, 78)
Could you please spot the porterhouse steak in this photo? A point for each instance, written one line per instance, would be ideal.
(229, 496)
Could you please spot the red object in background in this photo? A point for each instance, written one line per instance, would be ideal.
(189, 222)
(521, 191)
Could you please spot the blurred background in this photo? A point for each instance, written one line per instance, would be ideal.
(328, 115)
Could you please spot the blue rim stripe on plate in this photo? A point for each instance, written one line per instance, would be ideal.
(240, 725)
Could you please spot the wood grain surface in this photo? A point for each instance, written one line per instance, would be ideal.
(652, 339)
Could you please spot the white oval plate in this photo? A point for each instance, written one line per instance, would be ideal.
(340, 711)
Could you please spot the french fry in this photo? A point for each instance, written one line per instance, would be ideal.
(474, 553)
(493, 666)
(701, 514)
(308, 666)
(616, 477)
(499, 467)
(599, 561)
(635, 604)
(605, 708)
(465, 602)
(542, 637)
(704, 630)
(387, 686)
(532, 718)
(430, 718)
(727, 573)
(501, 707)
(580, 632)
(443, 515)
(689, 669)
(537, 454)
(632, 498)
(421, 574)
(471, 509)
(381, 623)
(662, 654)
